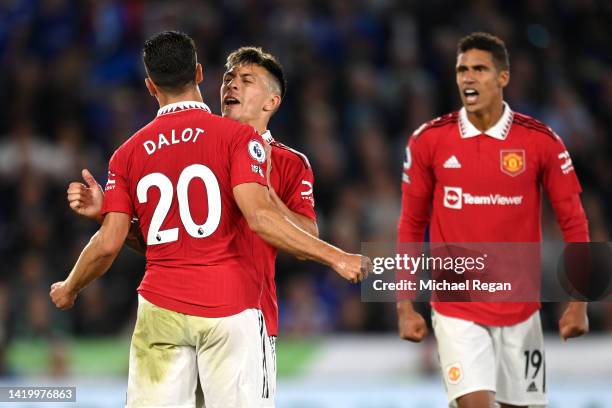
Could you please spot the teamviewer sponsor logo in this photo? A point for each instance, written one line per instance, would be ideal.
(455, 198)
(452, 197)
(492, 199)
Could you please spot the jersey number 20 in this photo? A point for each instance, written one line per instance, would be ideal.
(163, 183)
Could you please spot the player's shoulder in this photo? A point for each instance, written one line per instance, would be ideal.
(435, 126)
(534, 126)
(289, 154)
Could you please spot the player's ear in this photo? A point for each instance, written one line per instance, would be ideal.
(151, 87)
(199, 73)
(273, 103)
(503, 78)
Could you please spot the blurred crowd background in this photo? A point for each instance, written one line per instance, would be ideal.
(362, 76)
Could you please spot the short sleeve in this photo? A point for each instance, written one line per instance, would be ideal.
(417, 176)
(116, 193)
(247, 158)
(299, 195)
(558, 175)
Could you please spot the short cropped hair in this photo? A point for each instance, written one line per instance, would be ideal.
(486, 42)
(170, 60)
(255, 55)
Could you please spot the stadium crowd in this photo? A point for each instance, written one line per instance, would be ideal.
(362, 76)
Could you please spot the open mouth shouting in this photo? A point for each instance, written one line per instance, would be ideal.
(230, 100)
(471, 96)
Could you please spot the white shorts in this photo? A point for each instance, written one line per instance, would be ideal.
(506, 360)
(169, 350)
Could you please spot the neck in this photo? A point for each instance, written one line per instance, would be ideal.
(484, 119)
(260, 125)
(193, 94)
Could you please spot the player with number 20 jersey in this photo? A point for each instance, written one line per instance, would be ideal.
(210, 155)
(176, 175)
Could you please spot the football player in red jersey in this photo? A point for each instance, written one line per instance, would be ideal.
(252, 90)
(484, 150)
(197, 183)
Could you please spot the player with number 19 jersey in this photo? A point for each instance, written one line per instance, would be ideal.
(457, 168)
(176, 175)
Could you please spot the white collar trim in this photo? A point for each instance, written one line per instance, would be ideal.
(498, 131)
(267, 136)
(181, 106)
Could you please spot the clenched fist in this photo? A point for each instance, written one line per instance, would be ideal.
(353, 267)
(410, 323)
(574, 322)
(62, 295)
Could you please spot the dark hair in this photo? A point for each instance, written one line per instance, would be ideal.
(486, 42)
(255, 55)
(170, 60)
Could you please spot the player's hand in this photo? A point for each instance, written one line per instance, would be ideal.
(62, 295)
(411, 325)
(354, 267)
(574, 322)
(86, 200)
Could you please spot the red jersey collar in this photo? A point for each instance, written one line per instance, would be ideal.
(181, 106)
(498, 131)
(267, 136)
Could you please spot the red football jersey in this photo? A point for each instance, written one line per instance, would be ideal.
(176, 176)
(292, 178)
(485, 187)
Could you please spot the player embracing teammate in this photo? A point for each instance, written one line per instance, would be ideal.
(198, 185)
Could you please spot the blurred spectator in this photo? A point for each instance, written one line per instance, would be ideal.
(569, 119)
(352, 315)
(24, 151)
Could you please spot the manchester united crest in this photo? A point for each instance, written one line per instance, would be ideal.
(512, 162)
(454, 373)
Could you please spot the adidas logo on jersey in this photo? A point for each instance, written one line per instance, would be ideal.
(532, 387)
(452, 163)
